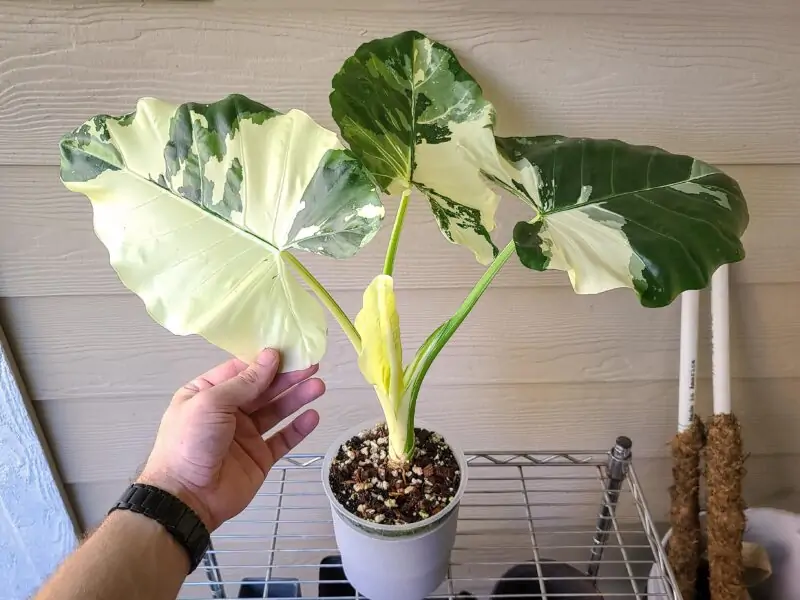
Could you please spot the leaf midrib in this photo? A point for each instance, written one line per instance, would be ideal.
(229, 224)
(274, 252)
(638, 222)
(590, 202)
(283, 176)
(413, 142)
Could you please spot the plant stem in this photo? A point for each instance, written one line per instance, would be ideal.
(411, 369)
(391, 251)
(327, 300)
(449, 328)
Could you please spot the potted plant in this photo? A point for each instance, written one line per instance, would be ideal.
(205, 207)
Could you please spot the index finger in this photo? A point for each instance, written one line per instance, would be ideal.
(225, 371)
(279, 385)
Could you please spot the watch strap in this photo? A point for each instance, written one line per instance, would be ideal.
(176, 517)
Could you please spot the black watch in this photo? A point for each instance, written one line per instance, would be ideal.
(177, 518)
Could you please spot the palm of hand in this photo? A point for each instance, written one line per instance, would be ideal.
(210, 444)
(226, 462)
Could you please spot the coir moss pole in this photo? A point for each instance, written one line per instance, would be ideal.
(726, 521)
(684, 548)
(724, 471)
(685, 543)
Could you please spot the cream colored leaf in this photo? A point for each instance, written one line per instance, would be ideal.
(196, 274)
(197, 204)
(381, 357)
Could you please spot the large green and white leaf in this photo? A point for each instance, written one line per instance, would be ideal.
(197, 204)
(415, 117)
(614, 215)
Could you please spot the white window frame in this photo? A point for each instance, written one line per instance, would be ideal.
(37, 527)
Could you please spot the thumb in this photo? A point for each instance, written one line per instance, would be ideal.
(248, 385)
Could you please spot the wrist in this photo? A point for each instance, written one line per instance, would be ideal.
(171, 513)
(172, 486)
(150, 536)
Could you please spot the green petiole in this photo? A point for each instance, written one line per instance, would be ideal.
(391, 251)
(327, 300)
(434, 344)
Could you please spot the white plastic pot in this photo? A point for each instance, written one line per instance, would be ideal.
(394, 562)
(778, 532)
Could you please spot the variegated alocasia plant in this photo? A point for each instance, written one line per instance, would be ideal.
(202, 208)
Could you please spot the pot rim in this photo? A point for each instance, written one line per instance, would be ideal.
(654, 583)
(379, 528)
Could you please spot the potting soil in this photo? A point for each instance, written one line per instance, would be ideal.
(366, 484)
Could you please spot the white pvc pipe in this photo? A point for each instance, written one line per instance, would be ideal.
(720, 341)
(690, 310)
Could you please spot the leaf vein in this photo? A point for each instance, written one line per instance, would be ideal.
(601, 199)
(287, 295)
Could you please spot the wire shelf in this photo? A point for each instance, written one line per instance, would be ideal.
(583, 508)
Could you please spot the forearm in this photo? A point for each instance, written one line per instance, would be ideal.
(130, 557)
(211, 455)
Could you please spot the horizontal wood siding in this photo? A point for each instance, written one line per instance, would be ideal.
(535, 366)
(723, 87)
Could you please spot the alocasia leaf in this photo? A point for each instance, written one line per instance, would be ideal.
(614, 215)
(415, 117)
(381, 356)
(197, 205)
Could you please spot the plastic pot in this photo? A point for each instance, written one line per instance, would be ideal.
(394, 562)
(778, 532)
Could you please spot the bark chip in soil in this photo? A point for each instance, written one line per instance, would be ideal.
(369, 487)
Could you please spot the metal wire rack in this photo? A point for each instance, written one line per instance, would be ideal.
(583, 508)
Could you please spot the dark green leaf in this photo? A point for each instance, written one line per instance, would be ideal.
(614, 215)
(415, 117)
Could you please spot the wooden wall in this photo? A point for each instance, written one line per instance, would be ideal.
(535, 366)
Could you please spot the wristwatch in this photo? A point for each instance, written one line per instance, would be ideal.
(177, 518)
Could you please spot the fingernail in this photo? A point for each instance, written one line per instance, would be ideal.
(268, 356)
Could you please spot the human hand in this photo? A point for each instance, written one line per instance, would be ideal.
(209, 451)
